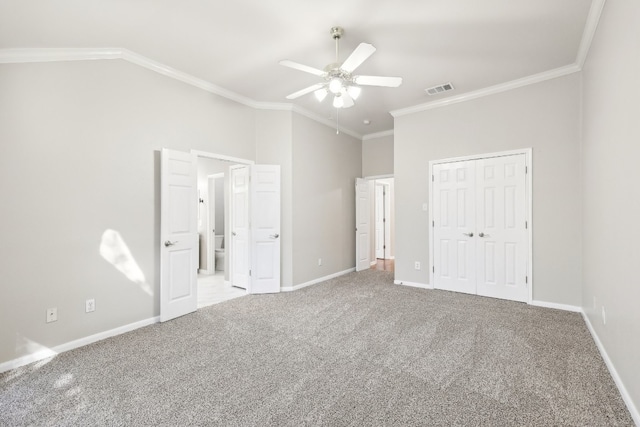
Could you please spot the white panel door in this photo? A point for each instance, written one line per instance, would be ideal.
(363, 224)
(387, 222)
(265, 229)
(178, 234)
(239, 262)
(379, 213)
(502, 235)
(454, 226)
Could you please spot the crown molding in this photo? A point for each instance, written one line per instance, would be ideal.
(30, 55)
(377, 135)
(17, 56)
(589, 32)
(491, 90)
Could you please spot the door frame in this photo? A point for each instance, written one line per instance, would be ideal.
(528, 198)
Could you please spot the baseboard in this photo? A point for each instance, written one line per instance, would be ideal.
(318, 280)
(557, 306)
(413, 284)
(43, 354)
(635, 414)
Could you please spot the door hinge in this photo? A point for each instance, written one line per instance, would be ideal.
(526, 279)
(433, 223)
(384, 219)
(526, 170)
(526, 224)
(433, 269)
(249, 272)
(433, 178)
(384, 246)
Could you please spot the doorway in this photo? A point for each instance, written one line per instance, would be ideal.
(480, 222)
(383, 220)
(375, 227)
(179, 237)
(214, 285)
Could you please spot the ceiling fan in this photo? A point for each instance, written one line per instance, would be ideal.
(338, 78)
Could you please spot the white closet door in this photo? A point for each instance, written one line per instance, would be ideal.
(502, 235)
(454, 225)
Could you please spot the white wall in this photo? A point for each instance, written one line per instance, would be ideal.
(325, 166)
(79, 156)
(377, 156)
(220, 207)
(611, 182)
(544, 116)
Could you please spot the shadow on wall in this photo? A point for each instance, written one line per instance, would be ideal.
(116, 252)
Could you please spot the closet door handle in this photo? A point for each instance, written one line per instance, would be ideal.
(274, 236)
(169, 243)
(483, 235)
(233, 233)
(469, 234)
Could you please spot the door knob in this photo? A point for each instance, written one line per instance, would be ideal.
(169, 243)
(483, 235)
(469, 234)
(274, 236)
(233, 233)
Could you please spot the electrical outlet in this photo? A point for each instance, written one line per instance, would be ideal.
(319, 261)
(52, 314)
(90, 305)
(417, 265)
(604, 316)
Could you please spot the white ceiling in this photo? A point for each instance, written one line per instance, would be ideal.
(237, 44)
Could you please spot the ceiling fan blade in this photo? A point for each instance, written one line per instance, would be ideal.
(302, 67)
(378, 81)
(305, 91)
(358, 56)
(346, 98)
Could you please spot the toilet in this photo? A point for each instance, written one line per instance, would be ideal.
(219, 247)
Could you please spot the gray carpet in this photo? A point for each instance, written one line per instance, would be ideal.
(356, 350)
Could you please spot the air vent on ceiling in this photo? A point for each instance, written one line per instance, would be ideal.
(436, 90)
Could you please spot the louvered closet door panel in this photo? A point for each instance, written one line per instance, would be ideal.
(502, 239)
(454, 219)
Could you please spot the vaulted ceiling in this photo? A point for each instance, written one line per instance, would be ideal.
(237, 44)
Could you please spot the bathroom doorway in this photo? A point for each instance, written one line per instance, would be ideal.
(213, 213)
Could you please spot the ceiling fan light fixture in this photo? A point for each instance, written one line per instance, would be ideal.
(338, 102)
(335, 85)
(354, 91)
(321, 94)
